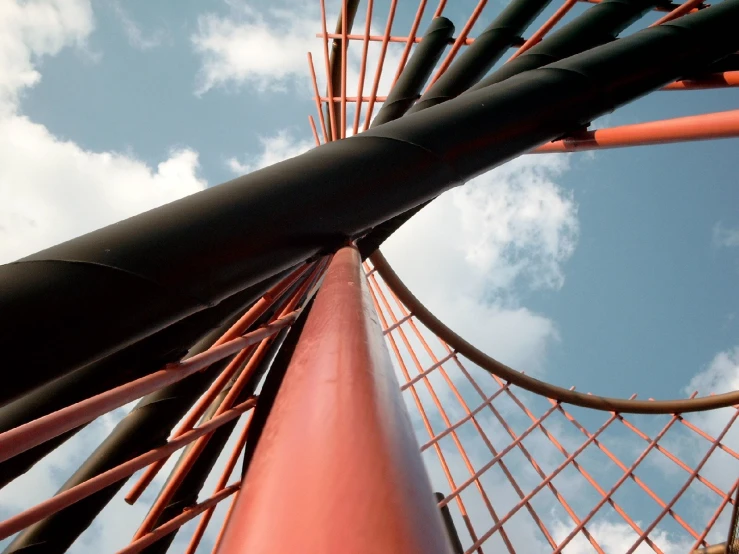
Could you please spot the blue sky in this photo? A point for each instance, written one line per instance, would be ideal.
(616, 271)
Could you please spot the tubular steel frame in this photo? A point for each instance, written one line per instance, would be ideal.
(333, 416)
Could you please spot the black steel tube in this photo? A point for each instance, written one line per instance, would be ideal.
(141, 358)
(599, 24)
(160, 266)
(145, 427)
(416, 72)
(334, 63)
(187, 493)
(478, 58)
(451, 530)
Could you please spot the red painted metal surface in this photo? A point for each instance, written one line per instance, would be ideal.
(337, 469)
(75, 494)
(40, 430)
(681, 129)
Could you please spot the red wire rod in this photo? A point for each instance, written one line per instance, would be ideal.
(694, 127)
(685, 486)
(177, 522)
(536, 489)
(487, 402)
(354, 98)
(68, 497)
(329, 84)
(344, 47)
(423, 374)
(380, 64)
(411, 40)
(679, 11)
(459, 41)
(190, 457)
(317, 96)
(214, 390)
(362, 66)
(261, 306)
(26, 436)
(534, 39)
(230, 464)
(190, 420)
(380, 38)
(727, 79)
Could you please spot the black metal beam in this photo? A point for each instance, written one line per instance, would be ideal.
(600, 24)
(144, 357)
(126, 281)
(188, 491)
(145, 427)
(478, 58)
(416, 72)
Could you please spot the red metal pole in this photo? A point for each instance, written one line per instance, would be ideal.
(694, 127)
(338, 467)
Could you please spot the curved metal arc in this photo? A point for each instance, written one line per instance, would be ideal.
(475, 355)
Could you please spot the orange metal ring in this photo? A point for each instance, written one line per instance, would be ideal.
(603, 403)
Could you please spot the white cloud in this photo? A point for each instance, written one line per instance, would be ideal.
(30, 30)
(617, 537)
(275, 148)
(725, 237)
(721, 375)
(266, 48)
(471, 254)
(52, 190)
(136, 37)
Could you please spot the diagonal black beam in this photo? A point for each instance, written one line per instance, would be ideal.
(137, 360)
(478, 58)
(334, 63)
(161, 266)
(598, 25)
(145, 427)
(188, 491)
(416, 72)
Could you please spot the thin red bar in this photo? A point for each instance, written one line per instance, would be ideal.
(329, 84)
(727, 79)
(190, 457)
(33, 433)
(682, 9)
(459, 41)
(230, 464)
(379, 38)
(354, 98)
(380, 64)
(411, 39)
(534, 39)
(68, 497)
(685, 486)
(362, 66)
(376, 290)
(681, 129)
(190, 420)
(177, 522)
(344, 44)
(317, 96)
(337, 462)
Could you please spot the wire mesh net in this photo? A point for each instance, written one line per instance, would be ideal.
(519, 470)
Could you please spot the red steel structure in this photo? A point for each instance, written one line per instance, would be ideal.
(341, 457)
